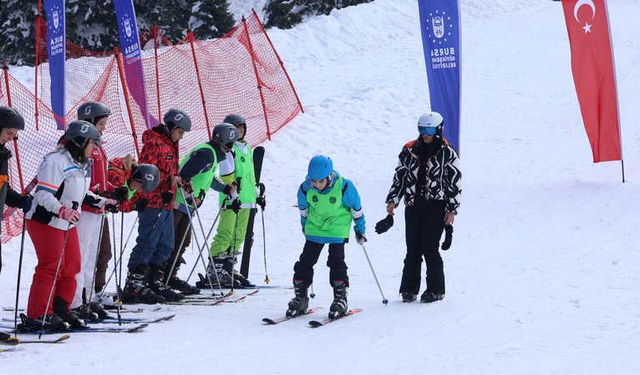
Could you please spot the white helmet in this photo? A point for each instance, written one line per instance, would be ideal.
(431, 123)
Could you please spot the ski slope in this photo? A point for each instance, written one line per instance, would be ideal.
(542, 275)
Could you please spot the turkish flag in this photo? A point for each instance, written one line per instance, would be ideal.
(593, 75)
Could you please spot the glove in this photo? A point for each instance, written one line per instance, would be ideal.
(68, 214)
(261, 189)
(448, 237)
(303, 221)
(235, 205)
(113, 208)
(384, 224)
(167, 197)
(120, 194)
(262, 202)
(187, 187)
(141, 204)
(360, 238)
(26, 201)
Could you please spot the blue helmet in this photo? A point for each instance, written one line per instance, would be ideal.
(320, 167)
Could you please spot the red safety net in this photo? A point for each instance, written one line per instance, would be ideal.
(238, 73)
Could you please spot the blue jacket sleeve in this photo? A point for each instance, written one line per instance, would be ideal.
(351, 199)
(303, 205)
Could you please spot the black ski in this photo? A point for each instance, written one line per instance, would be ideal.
(114, 320)
(284, 318)
(258, 157)
(16, 341)
(320, 323)
(229, 298)
(128, 329)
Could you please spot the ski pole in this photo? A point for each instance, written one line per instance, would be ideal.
(312, 294)
(233, 246)
(118, 259)
(384, 300)
(15, 317)
(115, 261)
(206, 241)
(95, 263)
(175, 258)
(264, 243)
(74, 206)
(193, 231)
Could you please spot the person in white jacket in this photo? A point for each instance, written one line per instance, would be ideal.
(63, 185)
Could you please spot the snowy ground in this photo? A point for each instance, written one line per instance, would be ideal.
(542, 277)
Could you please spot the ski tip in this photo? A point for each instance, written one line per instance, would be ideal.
(63, 338)
(315, 324)
(10, 341)
(268, 321)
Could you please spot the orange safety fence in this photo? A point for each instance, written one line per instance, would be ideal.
(238, 73)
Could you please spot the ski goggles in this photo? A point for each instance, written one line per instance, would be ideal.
(427, 130)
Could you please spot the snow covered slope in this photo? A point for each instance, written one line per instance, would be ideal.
(542, 276)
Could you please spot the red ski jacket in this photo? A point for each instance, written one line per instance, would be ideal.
(159, 150)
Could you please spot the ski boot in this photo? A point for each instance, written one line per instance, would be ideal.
(136, 289)
(98, 309)
(428, 297)
(61, 308)
(220, 275)
(182, 286)
(156, 283)
(339, 305)
(239, 281)
(408, 297)
(51, 323)
(85, 313)
(300, 303)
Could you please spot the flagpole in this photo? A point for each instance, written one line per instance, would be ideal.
(615, 79)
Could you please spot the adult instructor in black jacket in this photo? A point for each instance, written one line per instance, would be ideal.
(428, 178)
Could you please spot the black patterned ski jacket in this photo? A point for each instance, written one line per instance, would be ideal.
(443, 177)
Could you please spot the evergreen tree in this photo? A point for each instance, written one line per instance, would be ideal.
(210, 18)
(17, 39)
(285, 14)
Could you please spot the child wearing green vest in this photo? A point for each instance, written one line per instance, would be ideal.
(234, 217)
(328, 204)
(197, 170)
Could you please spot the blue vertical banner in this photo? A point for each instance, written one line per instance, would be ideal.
(57, 51)
(132, 55)
(440, 25)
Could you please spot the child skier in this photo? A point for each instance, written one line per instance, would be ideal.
(155, 230)
(238, 168)
(328, 204)
(93, 229)
(197, 171)
(63, 184)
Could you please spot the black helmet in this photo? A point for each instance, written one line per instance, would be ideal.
(235, 120)
(148, 175)
(224, 134)
(90, 111)
(79, 132)
(10, 118)
(177, 118)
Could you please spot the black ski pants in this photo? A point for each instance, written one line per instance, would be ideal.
(303, 269)
(182, 230)
(424, 224)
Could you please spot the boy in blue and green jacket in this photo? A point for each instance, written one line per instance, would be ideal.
(328, 204)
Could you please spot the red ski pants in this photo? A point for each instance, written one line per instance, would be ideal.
(48, 242)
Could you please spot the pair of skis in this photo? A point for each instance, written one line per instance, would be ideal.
(312, 323)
